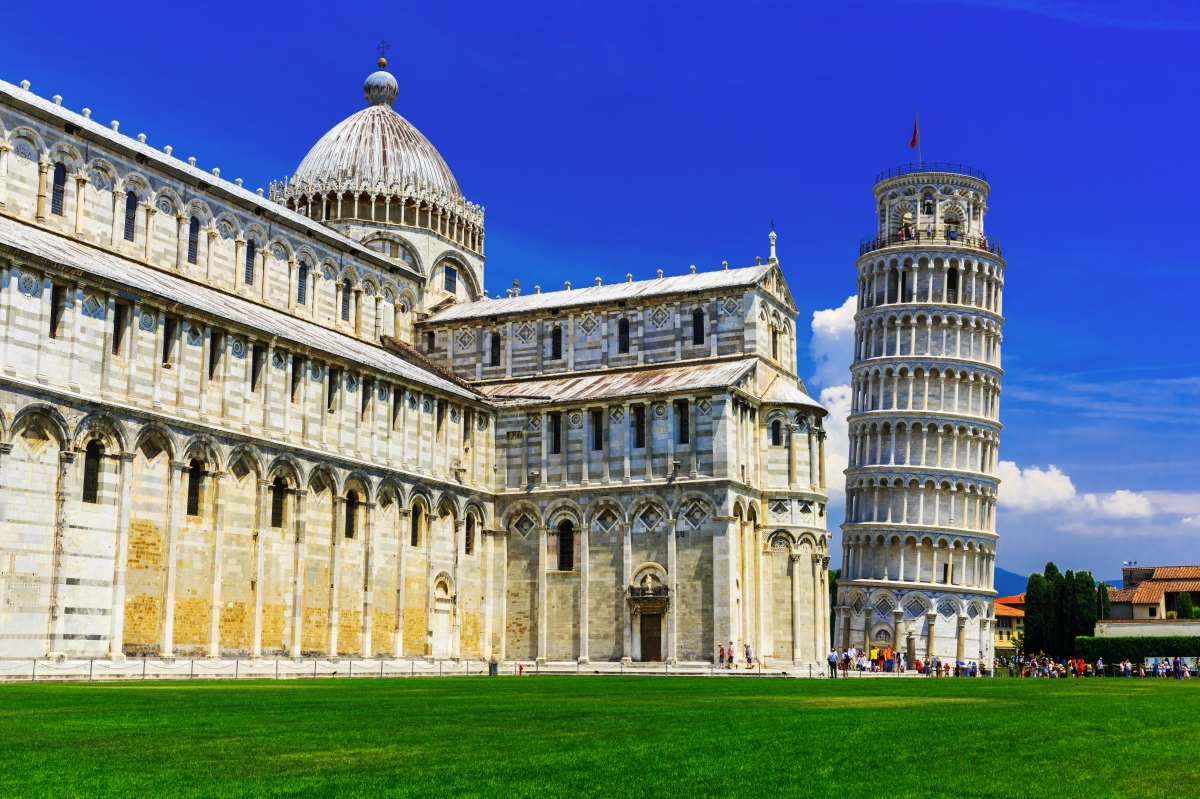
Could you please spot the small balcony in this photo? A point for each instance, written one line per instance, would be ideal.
(919, 238)
(929, 166)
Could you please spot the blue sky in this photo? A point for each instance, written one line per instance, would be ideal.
(627, 137)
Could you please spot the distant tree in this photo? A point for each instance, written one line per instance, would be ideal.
(1183, 604)
(834, 576)
(1103, 609)
(1035, 613)
(1052, 614)
(1084, 610)
(1018, 641)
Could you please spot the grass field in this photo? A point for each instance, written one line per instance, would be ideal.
(602, 736)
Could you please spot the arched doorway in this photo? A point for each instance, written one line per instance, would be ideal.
(443, 610)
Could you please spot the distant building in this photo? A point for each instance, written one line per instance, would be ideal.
(1010, 623)
(1151, 592)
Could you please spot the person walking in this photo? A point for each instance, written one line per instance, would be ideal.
(721, 655)
(749, 656)
(833, 663)
(729, 664)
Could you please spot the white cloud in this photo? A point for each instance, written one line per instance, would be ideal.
(832, 345)
(1050, 490)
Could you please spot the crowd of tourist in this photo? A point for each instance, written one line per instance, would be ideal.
(891, 661)
(1022, 665)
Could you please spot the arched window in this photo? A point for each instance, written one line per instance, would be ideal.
(302, 284)
(698, 326)
(451, 279)
(352, 504)
(193, 239)
(566, 546)
(278, 499)
(774, 344)
(130, 214)
(346, 300)
(195, 483)
(623, 336)
(60, 189)
(952, 285)
(495, 349)
(91, 471)
(777, 433)
(556, 344)
(469, 540)
(415, 526)
(251, 251)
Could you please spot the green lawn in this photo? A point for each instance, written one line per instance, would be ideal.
(602, 736)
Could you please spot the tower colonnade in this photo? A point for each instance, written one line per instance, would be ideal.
(919, 539)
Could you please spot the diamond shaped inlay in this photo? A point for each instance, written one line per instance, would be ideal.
(660, 316)
(524, 526)
(589, 325)
(650, 517)
(525, 332)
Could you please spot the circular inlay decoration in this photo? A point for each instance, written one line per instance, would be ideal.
(28, 283)
(148, 322)
(238, 348)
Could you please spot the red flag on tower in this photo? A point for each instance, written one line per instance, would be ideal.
(912, 145)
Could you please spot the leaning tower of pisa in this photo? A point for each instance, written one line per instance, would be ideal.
(919, 540)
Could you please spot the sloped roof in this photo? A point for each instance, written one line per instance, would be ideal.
(610, 385)
(1151, 591)
(160, 160)
(1008, 610)
(152, 282)
(1176, 573)
(1018, 599)
(783, 392)
(594, 295)
(1120, 594)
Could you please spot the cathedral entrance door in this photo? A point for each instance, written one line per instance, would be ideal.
(441, 633)
(651, 637)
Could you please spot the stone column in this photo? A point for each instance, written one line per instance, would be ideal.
(823, 624)
(401, 562)
(459, 545)
(368, 565)
(821, 456)
(795, 564)
(214, 615)
(793, 455)
(150, 212)
(584, 572)
(300, 516)
(961, 642)
(335, 581)
(116, 635)
(671, 654)
(488, 540)
(262, 528)
(80, 180)
(166, 647)
(868, 620)
(627, 580)
(40, 213)
(65, 458)
(541, 597)
(931, 635)
(897, 630)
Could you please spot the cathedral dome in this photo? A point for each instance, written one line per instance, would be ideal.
(377, 146)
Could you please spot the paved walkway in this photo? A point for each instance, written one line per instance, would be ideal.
(355, 668)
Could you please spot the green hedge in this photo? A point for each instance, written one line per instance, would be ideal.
(1136, 647)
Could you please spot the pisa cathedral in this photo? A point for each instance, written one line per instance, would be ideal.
(293, 423)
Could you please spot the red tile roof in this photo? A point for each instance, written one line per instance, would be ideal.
(1005, 610)
(1176, 573)
(1120, 594)
(1151, 591)
(1019, 599)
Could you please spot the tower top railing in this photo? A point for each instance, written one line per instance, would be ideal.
(919, 238)
(929, 166)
